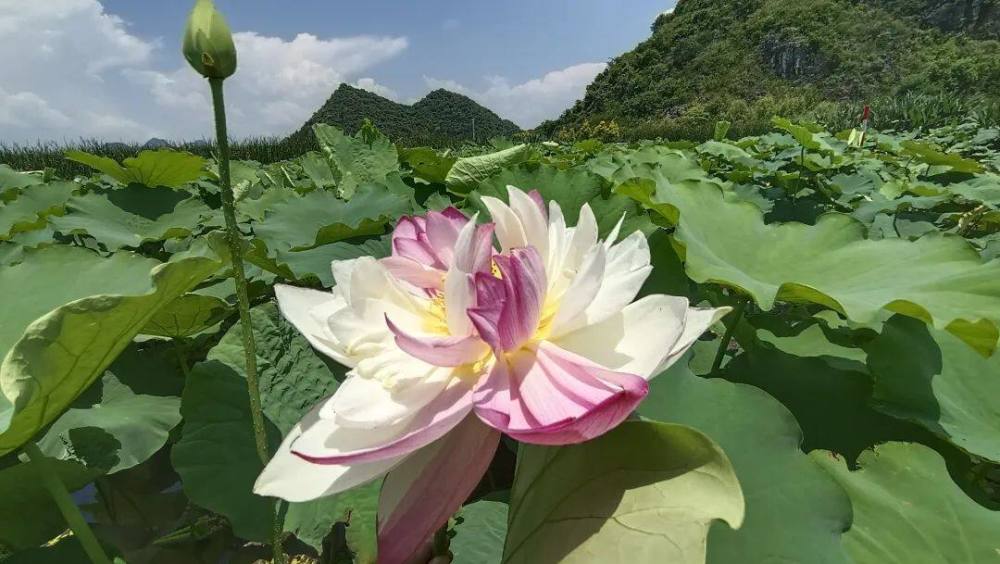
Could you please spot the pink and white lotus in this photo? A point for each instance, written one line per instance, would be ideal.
(451, 343)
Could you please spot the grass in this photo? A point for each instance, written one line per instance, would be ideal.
(50, 155)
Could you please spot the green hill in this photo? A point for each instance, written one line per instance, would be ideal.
(440, 118)
(745, 60)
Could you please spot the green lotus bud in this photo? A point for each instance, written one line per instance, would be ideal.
(208, 43)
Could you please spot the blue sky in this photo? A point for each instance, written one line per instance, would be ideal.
(112, 68)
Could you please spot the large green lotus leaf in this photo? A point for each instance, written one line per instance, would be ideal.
(930, 155)
(984, 188)
(728, 152)
(292, 377)
(468, 172)
(800, 521)
(356, 509)
(28, 516)
(96, 215)
(123, 418)
(805, 136)
(831, 403)
(668, 275)
(187, 315)
(318, 170)
(907, 510)
(320, 217)
(675, 165)
(163, 167)
(216, 457)
(480, 533)
(356, 160)
(11, 179)
(569, 188)
(938, 279)
(811, 342)
(256, 208)
(644, 492)
(934, 379)
(82, 312)
(33, 206)
(314, 263)
(427, 164)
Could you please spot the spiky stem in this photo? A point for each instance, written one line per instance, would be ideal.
(235, 240)
(64, 501)
(728, 336)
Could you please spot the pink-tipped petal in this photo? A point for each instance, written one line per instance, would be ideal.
(536, 196)
(423, 492)
(490, 297)
(440, 351)
(442, 232)
(429, 424)
(406, 228)
(474, 248)
(550, 396)
(413, 272)
(416, 250)
(523, 275)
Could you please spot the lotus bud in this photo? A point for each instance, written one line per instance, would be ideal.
(208, 43)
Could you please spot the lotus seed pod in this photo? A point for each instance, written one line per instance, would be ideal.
(208, 43)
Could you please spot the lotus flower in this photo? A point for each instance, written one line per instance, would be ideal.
(452, 342)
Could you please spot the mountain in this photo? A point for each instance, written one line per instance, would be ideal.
(749, 59)
(440, 118)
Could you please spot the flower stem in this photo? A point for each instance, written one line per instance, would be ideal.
(235, 240)
(182, 358)
(727, 337)
(60, 495)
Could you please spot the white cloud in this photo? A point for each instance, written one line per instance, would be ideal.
(87, 75)
(534, 101)
(60, 58)
(370, 85)
(451, 24)
(17, 107)
(278, 83)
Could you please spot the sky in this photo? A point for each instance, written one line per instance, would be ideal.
(112, 69)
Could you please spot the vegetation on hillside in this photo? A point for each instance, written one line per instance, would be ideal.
(441, 118)
(747, 60)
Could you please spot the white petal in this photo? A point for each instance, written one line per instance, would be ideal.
(584, 238)
(459, 296)
(465, 251)
(308, 311)
(371, 280)
(636, 340)
(697, 322)
(509, 230)
(338, 440)
(612, 237)
(533, 221)
(342, 270)
(290, 478)
(568, 248)
(581, 292)
(397, 386)
(626, 271)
